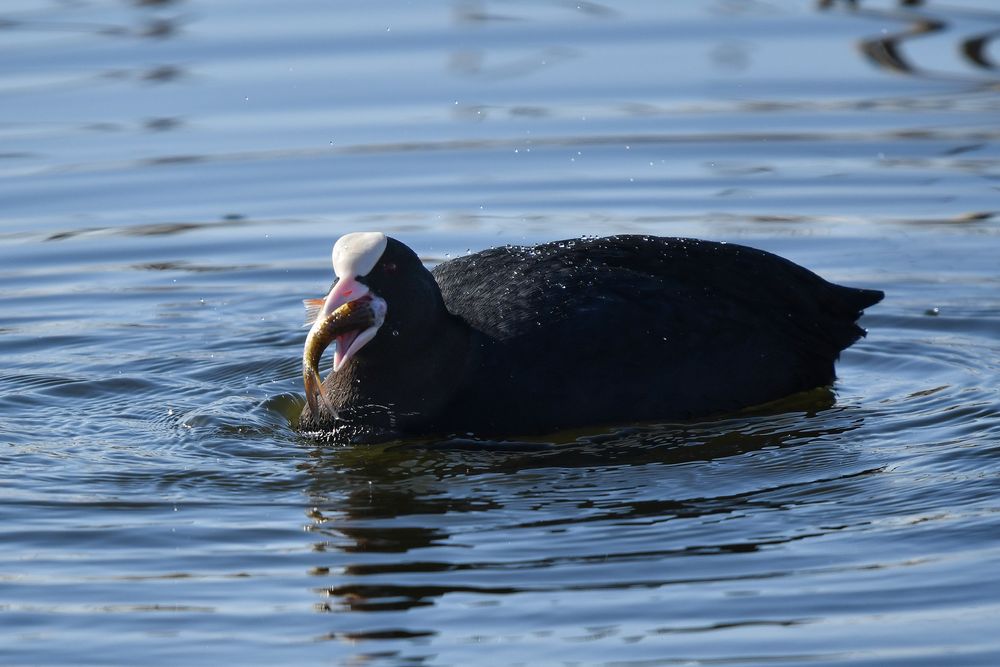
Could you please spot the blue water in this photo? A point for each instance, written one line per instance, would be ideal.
(173, 174)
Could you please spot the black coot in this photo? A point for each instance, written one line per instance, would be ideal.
(518, 340)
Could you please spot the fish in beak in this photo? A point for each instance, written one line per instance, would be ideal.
(348, 318)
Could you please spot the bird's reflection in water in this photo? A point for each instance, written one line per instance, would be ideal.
(400, 521)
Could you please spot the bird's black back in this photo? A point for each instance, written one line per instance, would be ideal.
(629, 326)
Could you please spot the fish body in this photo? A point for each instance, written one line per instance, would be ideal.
(345, 326)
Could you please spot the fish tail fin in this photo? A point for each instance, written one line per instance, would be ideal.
(315, 396)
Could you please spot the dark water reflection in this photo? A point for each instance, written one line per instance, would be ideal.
(172, 175)
(620, 511)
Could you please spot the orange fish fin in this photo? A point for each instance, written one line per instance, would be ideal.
(313, 306)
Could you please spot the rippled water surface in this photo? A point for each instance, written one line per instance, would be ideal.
(172, 175)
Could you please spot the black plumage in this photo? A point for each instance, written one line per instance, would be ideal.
(517, 340)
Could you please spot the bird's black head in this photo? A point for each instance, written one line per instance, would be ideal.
(412, 298)
(380, 277)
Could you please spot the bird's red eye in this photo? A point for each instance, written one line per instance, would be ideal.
(389, 267)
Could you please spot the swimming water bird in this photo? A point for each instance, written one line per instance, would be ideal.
(531, 339)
